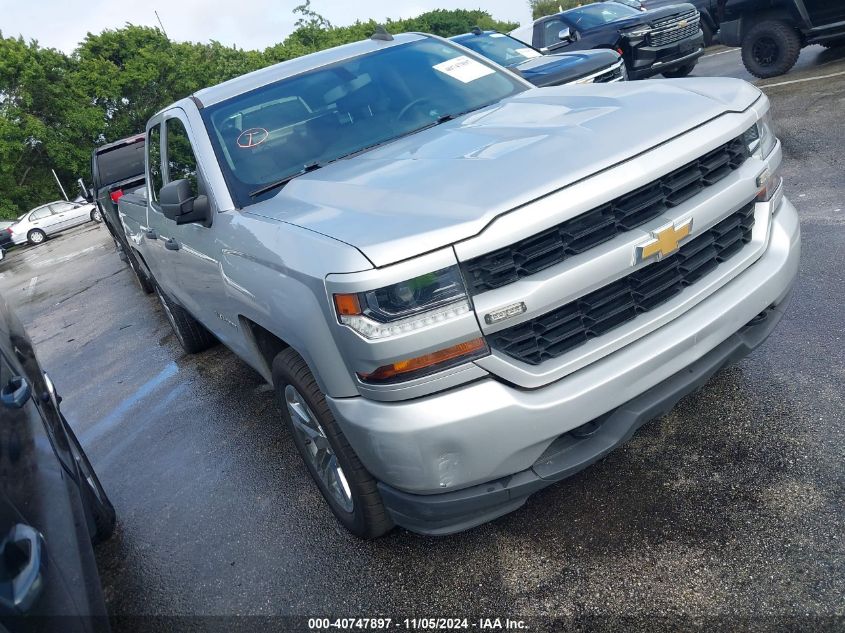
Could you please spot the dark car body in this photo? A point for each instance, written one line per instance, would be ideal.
(599, 66)
(6, 234)
(51, 504)
(116, 168)
(666, 40)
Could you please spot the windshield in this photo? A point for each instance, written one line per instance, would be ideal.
(593, 15)
(279, 130)
(501, 48)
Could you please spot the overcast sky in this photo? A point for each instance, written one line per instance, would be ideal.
(249, 24)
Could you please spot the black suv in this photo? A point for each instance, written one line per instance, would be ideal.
(666, 40)
(772, 32)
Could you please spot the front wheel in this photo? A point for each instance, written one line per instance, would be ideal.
(36, 236)
(770, 48)
(680, 71)
(96, 216)
(345, 484)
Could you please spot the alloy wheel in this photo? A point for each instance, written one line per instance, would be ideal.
(318, 451)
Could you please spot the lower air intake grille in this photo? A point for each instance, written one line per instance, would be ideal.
(557, 332)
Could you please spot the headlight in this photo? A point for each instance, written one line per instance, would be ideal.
(641, 32)
(760, 137)
(406, 306)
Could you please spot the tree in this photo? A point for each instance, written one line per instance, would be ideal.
(540, 8)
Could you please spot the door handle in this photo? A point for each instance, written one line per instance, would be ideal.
(150, 234)
(171, 245)
(23, 548)
(15, 393)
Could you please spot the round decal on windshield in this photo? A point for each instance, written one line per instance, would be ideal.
(252, 137)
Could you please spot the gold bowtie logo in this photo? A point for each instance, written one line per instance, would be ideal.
(664, 241)
(682, 24)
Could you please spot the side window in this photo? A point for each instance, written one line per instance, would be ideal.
(61, 207)
(154, 147)
(551, 30)
(40, 214)
(181, 162)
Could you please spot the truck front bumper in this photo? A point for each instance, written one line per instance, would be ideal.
(459, 458)
(647, 61)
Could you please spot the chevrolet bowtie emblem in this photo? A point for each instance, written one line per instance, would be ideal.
(682, 24)
(664, 241)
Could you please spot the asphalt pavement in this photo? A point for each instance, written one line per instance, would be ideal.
(732, 506)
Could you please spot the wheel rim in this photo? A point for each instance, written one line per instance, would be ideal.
(765, 51)
(318, 451)
(37, 237)
(96, 215)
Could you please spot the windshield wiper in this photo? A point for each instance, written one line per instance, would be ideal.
(283, 181)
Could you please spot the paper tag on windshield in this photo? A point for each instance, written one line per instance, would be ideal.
(528, 52)
(497, 34)
(463, 69)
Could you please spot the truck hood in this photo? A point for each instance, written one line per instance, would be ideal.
(446, 183)
(553, 70)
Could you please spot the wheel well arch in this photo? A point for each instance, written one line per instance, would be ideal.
(751, 18)
(266, 343)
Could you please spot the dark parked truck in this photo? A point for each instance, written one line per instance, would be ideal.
(117, 169)
(772, 32)
(464, 288)
(666, 40)
(542, 69)
(707, 9)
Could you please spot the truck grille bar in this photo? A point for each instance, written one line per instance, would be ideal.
(552, 334)
(552, 246)
(674, 29)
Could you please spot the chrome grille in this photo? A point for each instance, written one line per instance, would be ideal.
(614, 74)
(674, 29)
(552, 246)
(552, 334)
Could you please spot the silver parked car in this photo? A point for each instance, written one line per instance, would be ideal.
(48, 219)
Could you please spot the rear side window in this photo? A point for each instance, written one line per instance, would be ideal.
(154, 146)
(121, 163)
(40, 214)
(181, 162)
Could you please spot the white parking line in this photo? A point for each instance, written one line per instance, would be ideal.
(31, 286)
(730, 50)
(798, 81)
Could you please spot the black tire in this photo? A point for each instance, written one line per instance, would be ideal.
(96, 216)
(147, 284)
(368, 517)
(36, 236)
(770, 48)
(708, 34)
(680, 71)
(102, 517)
(191, 334)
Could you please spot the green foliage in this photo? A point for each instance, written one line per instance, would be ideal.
(540, 8)
(55, 108)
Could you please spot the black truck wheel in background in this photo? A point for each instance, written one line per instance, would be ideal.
(346, 485)
(770, 48)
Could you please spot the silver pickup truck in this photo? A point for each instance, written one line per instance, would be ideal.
(463, 288)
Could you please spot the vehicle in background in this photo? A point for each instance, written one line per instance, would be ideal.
(773, 32)
(52, 506)
(6, 233)
(634, 4)
(708, 9)
(600, 66)
(461, 287)
(42, 222)
(666, 40)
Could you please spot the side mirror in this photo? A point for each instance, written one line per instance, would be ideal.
(178, 204)
(565, 34)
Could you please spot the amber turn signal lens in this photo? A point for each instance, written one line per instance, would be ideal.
(406, 369)
(347, 304)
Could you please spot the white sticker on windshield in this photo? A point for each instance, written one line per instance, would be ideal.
(497, 34)
(529, 52)
(463, 69)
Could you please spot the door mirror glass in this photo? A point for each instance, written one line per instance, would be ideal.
(565, 34)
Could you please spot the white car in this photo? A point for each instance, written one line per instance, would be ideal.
(48, 219)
